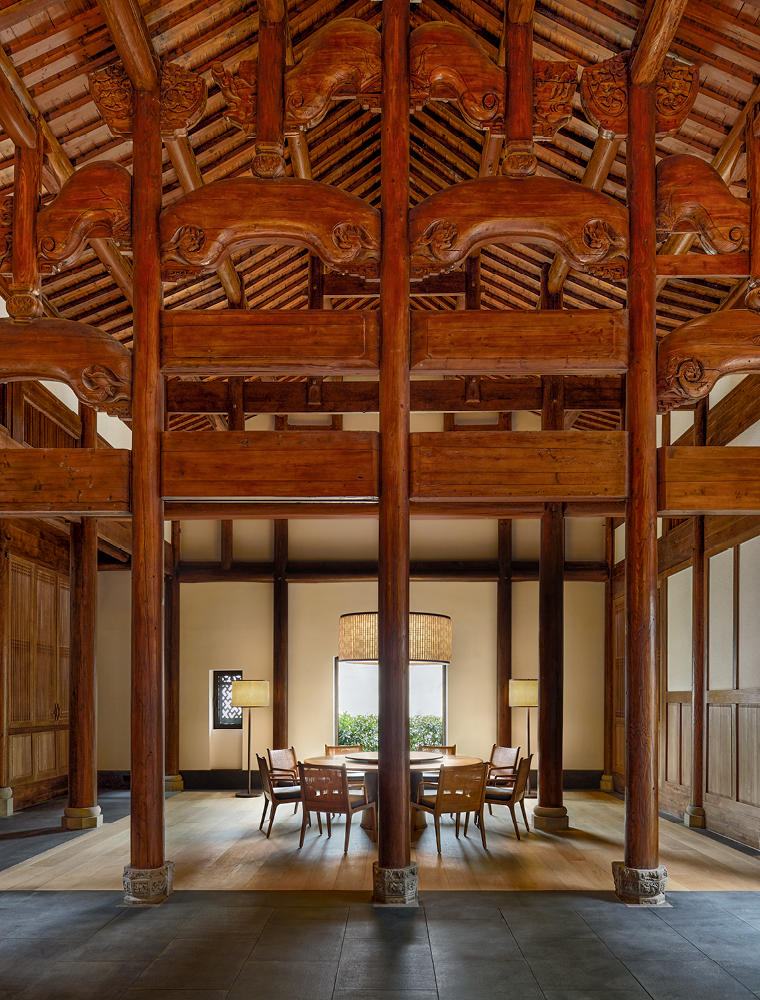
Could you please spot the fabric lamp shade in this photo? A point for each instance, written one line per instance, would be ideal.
(430, 637)
(249, 694)
(523, 694)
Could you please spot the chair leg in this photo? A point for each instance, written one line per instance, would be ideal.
(437, 819)
(466, 822)
(264, 813)
(490, 809)
(348, 831)
(457, 825)
(319, 823)
(295, 808)
(525, 816)
(482, 830)
(514, 820)
(271, 817)
(303, 827)
(329, 824)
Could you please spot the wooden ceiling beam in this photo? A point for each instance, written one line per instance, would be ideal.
(653, 39)
(131, 37)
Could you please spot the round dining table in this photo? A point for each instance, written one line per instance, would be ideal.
(419, 762)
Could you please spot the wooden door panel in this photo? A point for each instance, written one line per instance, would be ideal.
(20, 757)
(47, 642)
(20, 672)
(721, 759)
(748, 721)
(43, 754)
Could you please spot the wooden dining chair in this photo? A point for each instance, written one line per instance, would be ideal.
(460, 789)
(324, 789)
(283, 766)
(355, 778)
(510, 795)
(431, 777)
(274, 795)
(502, 767)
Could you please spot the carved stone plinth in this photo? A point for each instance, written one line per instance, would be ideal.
(6, 801)
(148, 886)
(81, 818)
(694, 816)
(550, 818)
(642, 886)
(394, 886)
(173, 783)
(607, 784)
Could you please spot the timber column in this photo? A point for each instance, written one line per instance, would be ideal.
(83, 811)
(148, 877)
(640, 878)
(172, 779)
(394, 876)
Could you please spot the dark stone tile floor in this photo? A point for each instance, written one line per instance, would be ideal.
(337, 946)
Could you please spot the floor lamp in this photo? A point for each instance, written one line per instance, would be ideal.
(524, 694)
(249, 694)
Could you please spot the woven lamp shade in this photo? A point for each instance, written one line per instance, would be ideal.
(523, 694)
(249, 694)
(429, 637)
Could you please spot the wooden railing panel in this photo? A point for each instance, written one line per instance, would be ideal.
(708, 480)
(525, 465)
(65, 481)
(270, 464)
(541, 343)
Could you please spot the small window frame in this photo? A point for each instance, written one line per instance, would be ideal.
(221, 677)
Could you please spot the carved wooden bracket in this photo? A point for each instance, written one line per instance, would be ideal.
(448, 63)
(94, 203)
(183, 98)
(6, 234)
(584, 226)
(97, 367)
(200, 230)
(604, 94)
(692, 197)
(692, 358)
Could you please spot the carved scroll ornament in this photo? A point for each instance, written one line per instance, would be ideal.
(97, 367)
(183, 98)
(6, 234)
(200, 230)
(604, 94)
(692, 358)
(692, 197)
(584, 226)
(94, 203)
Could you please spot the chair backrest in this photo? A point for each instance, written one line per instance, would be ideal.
(504, 760)
(283, 760)
(461, 788)
(446, 751)
(521, 781)
(334, 751)
(324, 787)
(266, 780)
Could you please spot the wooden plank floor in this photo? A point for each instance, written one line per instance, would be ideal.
(214, 840)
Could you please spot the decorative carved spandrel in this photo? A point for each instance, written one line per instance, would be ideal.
(448, 63)
(203, 228)
(554, 86)
(6, 234)
(584, 226)
(94, 203)
(604, 94)
(239, 90)
(183, 98)
(97, 367)
(692, 358)
(692, 197)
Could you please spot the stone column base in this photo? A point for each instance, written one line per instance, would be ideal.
(148, 886)
(642, 886)
(607, 784)
(6, 801)
(550, 818)
(694, 816)
(394, 886)
(81, 818)
(173, 783)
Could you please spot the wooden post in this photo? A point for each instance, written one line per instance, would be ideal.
(695, 811)
(394, 876)
(519, 157)
(752, 143)
(172, 778)
(606, 784)
(640, 878)
(24, 302)
(83, 811)
(269, 158)
(148, 877)
(280, 636)
(504, 634)
(235, 422)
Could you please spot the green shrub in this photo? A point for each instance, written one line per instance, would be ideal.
(361, 730)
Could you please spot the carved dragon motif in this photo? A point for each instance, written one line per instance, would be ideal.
(692, 197)
(585, 227)
(203, 228)
(692, 358)
(554, 85)
(239, 90)
(97, 367)
(604, 94)
(94, 203)
(183, 98)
